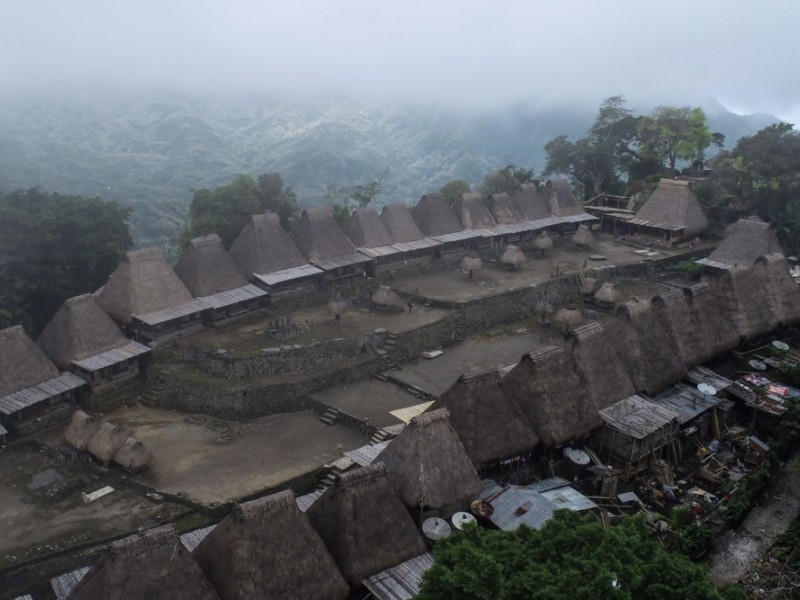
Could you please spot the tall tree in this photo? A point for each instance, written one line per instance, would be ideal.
(345, 200)
(508, 179)
(673, 133)
(53, 247)
(453, 189)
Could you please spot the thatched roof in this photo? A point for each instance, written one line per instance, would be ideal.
(400, 224)
(559, 198)
(132, 454)
(513, 256)
(472, 213)
(489, 423)
(264, 247)
(607, 293)
(366, 229)
(22, 363)
(385, 296)
(569, 316)
(142, 283)
(82, 428)
(428, 464)
(434, 217)
(78, 330)
(206, 269)
(543, 242)
(530, 204)
(746, 240)
(267, 549)
(503, 210)
(675, 205)
(783, 292)
(150, 565)
(364, 523)
(589, 285)
(583, 236)
(471, 263)
(319, 236)
(106, 442)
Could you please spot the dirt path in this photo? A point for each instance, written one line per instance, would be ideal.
(737, 550)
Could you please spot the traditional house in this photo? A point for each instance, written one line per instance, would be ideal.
(408, 248)
(33, 393)
(147, 298)
(745, 241)
(83, 339)
(530, 204)
(268, 549)
(672, 213)
(560, 200)
(400, 582)
(106, 442)
(212, 277)
(320, 239)
(82, 428)
(266, 254)
(367, 232)
(383, 534)
(149, 565)
(428, 465)
(435, 219)
(503, 209)
(473, 215)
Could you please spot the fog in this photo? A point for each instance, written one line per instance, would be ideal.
(467, 53)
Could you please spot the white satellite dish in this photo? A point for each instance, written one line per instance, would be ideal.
(758, 365)
(436, 528)
(460, 519)
(780, 345)
(706, 390)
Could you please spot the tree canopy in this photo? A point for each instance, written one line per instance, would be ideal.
(672, 133)
(508, 179)
(453, 189)
(345, 200)
(53, 247)
(572, 556)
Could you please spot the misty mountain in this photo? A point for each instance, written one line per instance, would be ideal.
(150, 151)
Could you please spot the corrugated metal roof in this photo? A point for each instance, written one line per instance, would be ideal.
(705, 375)
(288, 274)
(305, 502)
(517, 505)
(713, 263)
(112, 357)
(64, 584)
(547, 484)
(400, 247)
(686, 401)
(402, 582)
(21, 399)
(25, 597)
(366, 454)
(170, 314)
(457, 236)
(337, 262)
(569, 498)
(231, 297)
(637, 416)
(192, 539)
(3, 430)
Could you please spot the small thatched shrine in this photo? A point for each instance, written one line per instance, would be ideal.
(583, 236)
(503, 210)
(569, 316)
(150, 565)
(428, 465)
(672, 211)
(364, 524)
(559, 198)
(607, 294)
(132, 455)
(472, 213)
(366, 230)
(513, 257)
(267, 549)
(469, 264)
(384, 298)
(745, 241)
(263, 247)
(106, 442)
(434, 217)
(400, 224)
(543, 242)
(82, 428)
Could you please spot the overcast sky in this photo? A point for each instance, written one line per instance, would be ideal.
(466, 52)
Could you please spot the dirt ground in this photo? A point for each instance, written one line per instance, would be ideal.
(371, 399)
(263, 453)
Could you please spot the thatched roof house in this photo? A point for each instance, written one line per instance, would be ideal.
(400, 224)
(559, 198)
(674, 207)
(22, 363)
(529, 203)
(142, 284)
(569, 316)
(746, 240)
(607, 294)
(82, 428)
(318, 235)
(364, 524)
(472, 213)
(782, 293)
(132, 455)
(106, 442)
(206, 269)
(428, 465)
(583, 236)
(384, 296)
(150, 565)
(434, 217)
(503, 210)
(366, 230)
(268, 549)
(489, 423)
(263, 247)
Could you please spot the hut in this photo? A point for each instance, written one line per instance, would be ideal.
(33, 393)
(583, 236)
(560, 200)
(513, 257)
(82, 428)
(385, 299)
(436, 219)
(606, 295)
(145, 296)
(469, 264)
(364, 524)
(569, 316)
(366, 230)
(149, 565)
(320, 239)
(529, 204)
(83, 339)
(588, 286)
(472, 213)
(265, 253)
(745, 241)
(106, 442)
(503, 210)
(489, 423)
(132, 455)
(212, 277)
(672, 212)
(543, 242)
(268, 549)
(400, 224)
(428, 464)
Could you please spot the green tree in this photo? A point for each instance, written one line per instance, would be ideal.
(275, 196)
(345, 200)
(53, 247)
(672, 133)
(453, 189)
(508, 179)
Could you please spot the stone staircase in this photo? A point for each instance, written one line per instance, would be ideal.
(153, 392)
(330, 417)
(389, 353)
(381, 435)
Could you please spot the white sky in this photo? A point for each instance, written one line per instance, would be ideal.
(470, 53)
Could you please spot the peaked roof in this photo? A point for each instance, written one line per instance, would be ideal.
(503, 209)
(206, 269)
(746, 240)
(366, 229)
(143, 283)
(399, 223)
(472, 213)
(264, 247)
(559, 198)
(364, 523)
(318, 235)
(78, 330)
(428, 465)
(675, 205)
(530, 204)
(434, 216)
(151, 565)
(268, 549)
(22, 363)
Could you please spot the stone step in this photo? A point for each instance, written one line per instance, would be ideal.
(330, 416)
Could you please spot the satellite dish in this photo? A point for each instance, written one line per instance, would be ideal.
(706, 390)
(460, 519)
(436, 528)
(780, 345)
(758, 365)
